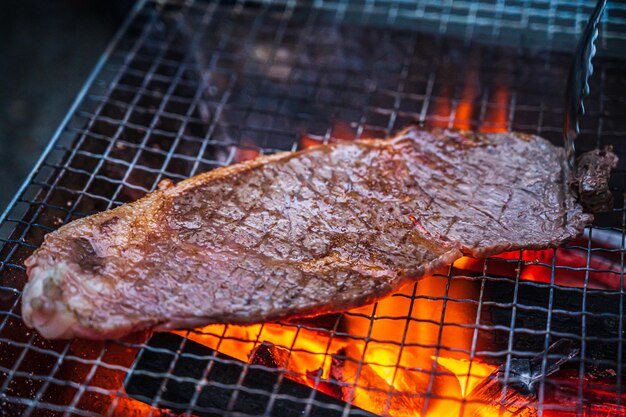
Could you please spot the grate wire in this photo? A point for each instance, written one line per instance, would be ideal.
(188, 86)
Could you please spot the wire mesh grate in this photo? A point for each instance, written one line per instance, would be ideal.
(191, 86)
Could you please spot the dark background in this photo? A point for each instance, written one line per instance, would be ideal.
(47, 50)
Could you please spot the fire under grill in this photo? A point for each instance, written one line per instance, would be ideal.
(186, 87)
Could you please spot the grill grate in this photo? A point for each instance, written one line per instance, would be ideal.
(190, 86)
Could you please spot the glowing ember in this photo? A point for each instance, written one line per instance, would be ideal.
(245, 151)
(572, 268)
(127, 407)
(340, 131)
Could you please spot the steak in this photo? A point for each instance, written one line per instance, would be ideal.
(322, 230)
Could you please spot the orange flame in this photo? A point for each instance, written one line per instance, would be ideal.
(248, 149)
(497, 116)
(443, 116)
(465, 109)
(341, 131)
(391, 358)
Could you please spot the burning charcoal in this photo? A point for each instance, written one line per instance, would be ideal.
(328, 387)
(521, 382)
(272, 356)
(601, 270)
(599, 398)
(363, 386)
(152, 380)
(269, 355)
(488, 395)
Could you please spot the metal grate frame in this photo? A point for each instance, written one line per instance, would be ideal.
(186, 87)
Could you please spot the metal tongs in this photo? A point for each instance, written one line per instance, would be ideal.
(578, 82)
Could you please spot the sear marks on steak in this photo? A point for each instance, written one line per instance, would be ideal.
(296, 234)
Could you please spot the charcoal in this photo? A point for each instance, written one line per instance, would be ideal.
(269, 355)
(223, 390)
(602, 326)
(360, 379)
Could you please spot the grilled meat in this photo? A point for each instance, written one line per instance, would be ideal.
(326, 229)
